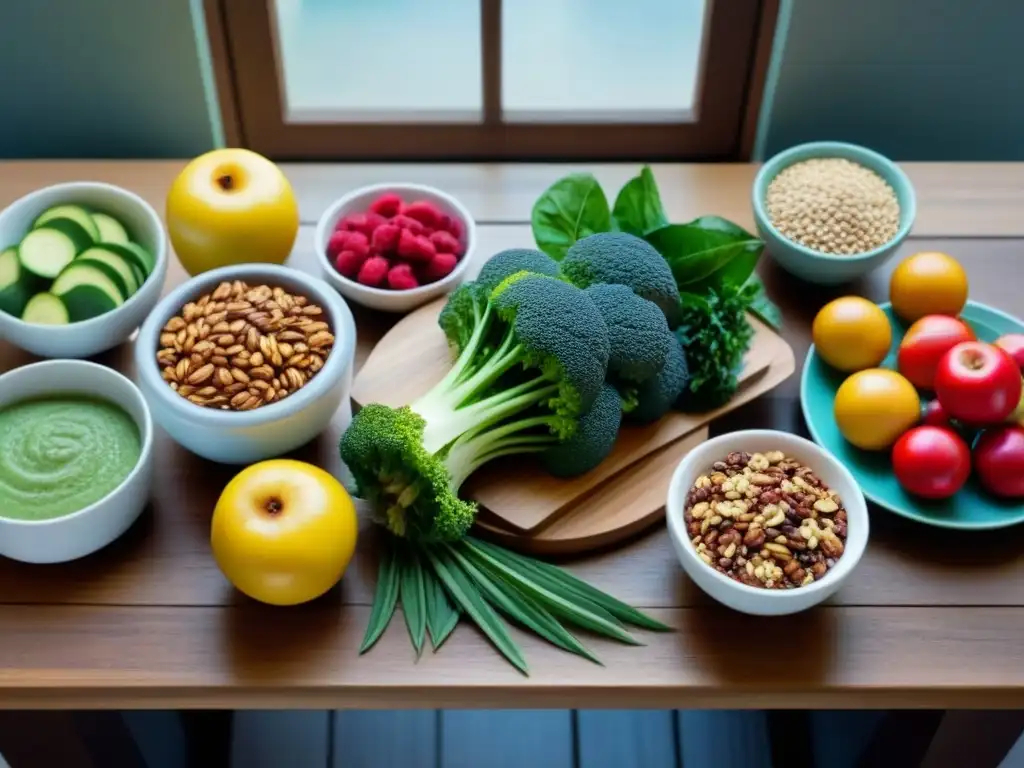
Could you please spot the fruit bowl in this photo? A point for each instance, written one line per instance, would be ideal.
(124, 215)
(971, 508)
(383, 298)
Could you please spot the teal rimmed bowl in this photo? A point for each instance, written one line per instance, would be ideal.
(971, 508)
(826, 268)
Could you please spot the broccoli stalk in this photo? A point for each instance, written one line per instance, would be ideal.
(532, 359)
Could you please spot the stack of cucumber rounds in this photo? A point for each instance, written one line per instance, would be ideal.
(73, 265)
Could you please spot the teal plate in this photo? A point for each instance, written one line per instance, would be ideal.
(971, 508)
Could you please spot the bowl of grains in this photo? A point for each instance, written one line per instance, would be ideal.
(246, 362)
(831, 212)
(766, 522)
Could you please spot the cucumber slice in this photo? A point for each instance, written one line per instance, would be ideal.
(46, 309)
(76, 213)
(86, 290)
(16, 284)
(148, 259)
(47, 251)
(121, 265)
(72, 229)
(112, 273)
(111, 230)
(133, 254)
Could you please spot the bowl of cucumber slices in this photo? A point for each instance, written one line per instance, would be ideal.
(81, 266)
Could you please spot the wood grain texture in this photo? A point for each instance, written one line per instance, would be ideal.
(151, 622)
(180, 657)
(953, 199)
(414, 356)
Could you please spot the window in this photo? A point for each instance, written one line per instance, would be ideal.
(492, 80)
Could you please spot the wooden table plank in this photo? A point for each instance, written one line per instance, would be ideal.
(954, 199)
(86, 657)
(165, 559)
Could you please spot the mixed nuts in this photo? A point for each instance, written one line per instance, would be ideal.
(765, 520)
(241, 347)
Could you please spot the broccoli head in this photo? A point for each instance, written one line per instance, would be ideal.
(618, 257)
(506, 263)
(652, 399)
(532, 357)
(637, 332)
(593, 440)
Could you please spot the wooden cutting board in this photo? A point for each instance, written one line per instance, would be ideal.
(414, 355)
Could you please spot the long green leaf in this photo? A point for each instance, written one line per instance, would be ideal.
(442, 617)
(414, 600)
(562, 602)
(638, 209)
(515, 604)
(550, 576)
(465, 594)
(384, 599)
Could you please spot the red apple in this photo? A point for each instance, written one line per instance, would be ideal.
(999, 461)
(924, 344)
(977, 383)
(1013, 344)
(934, 415)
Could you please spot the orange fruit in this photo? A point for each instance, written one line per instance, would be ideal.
(851, 333)
(928, 283)
(874, 407)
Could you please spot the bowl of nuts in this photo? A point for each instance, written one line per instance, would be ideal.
(246, 362)
(394, 247)
(831, 212)
(766, 522)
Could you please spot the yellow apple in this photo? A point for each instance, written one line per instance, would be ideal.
(231, 206)
(283, 531)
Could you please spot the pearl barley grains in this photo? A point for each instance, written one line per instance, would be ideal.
(834, 206)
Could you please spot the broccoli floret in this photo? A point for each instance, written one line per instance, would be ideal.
(637, 331)
(508, 262)
(593, 440)
(618, 257)
(533, 355)
(654, 398)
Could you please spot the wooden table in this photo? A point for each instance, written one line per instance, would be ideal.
(932, 618)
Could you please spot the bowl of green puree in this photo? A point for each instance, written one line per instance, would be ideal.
(76, 459)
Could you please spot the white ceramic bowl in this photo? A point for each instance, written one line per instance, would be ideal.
(383, 299)
(94, 527)
(89, 337)
(245, 437)
(755, 600)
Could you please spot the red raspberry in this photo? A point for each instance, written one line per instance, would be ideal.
(440, 266)
(387, 205)
(373, 271)
(346, 240)
(385, 238)
(404, 222)
(445, 242)
(362, 222)
(401, 278)
(348, 263)
(452, 224)
(337, 243)
(425, 213)
(417, 248)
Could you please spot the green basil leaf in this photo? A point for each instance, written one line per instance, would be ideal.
(385, 597)
(762, 306)
(442, 617)
(638, 208)
(414, 601)
(700, 257)
(466, 594)
(569, 210)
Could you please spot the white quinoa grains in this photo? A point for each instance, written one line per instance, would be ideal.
(833, 205)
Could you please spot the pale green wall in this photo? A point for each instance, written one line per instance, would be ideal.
(102, 78)
(915, 79)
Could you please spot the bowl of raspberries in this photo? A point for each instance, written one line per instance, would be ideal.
(394, 247)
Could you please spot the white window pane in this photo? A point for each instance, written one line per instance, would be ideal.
(380, 60)
(597, 60)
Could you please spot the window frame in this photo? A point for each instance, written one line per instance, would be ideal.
(736, 50)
